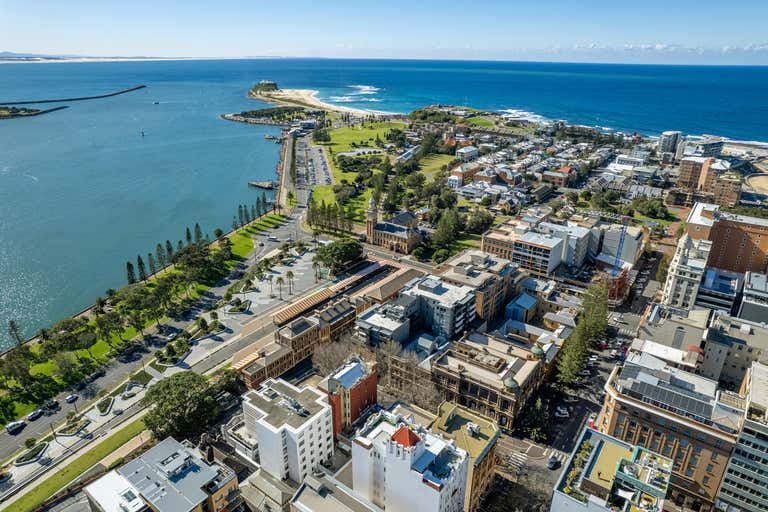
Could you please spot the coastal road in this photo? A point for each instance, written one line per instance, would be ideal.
(118, 371)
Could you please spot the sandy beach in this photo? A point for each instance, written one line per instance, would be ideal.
(305, 97)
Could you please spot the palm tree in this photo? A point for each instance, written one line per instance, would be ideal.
(279, 281)
(289, 276)
(270, 277)
(316, 268)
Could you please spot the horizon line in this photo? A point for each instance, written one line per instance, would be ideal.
(18, 57)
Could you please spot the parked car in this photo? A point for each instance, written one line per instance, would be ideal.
(15, 427)
(52, 404)
(553, 463)
(585, 373)
(34, 414)
(593, 358)
(71, 398)
(614, 354)
(561, 413)
(172, 336)
(570, 399)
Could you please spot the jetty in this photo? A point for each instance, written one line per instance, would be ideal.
(79, 98)
(266, 185)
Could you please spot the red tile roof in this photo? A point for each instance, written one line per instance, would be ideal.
(405, 437)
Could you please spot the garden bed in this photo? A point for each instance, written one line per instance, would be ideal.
(105, 405)
(241, 308)
(31, 455)
(73, 428)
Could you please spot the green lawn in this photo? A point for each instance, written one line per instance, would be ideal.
(362, 135)
(77, 467)
(433, 163)
(480, 121)
(664, 222)
(467, 241)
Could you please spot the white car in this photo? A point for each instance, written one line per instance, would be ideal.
(562, 413)
(614, 353)
(71, 398)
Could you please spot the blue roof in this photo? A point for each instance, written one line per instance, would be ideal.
(525, 301)
(350, 375)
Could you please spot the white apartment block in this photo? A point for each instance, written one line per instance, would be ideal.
(403, 467)
(685, 272)
(446, 308)
(292, 428)
(575, 241)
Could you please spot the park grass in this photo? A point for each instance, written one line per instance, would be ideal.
(433, 163)
(362, 135)
(38, 494)
(480, 122)
(467, 241)
(663, 222)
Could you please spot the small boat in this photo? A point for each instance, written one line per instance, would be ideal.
(142, 133)
(155, 102)
(269, 136)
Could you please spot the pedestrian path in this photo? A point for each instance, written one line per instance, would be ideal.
(516, 461)
(561, 456)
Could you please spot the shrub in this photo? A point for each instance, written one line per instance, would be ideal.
(30, 442)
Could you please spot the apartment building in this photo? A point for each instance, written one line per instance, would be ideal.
(403, 467)
(491, 376)
(446, 309)
(385, 322)
(739, 243)
(476, 435)
(537, 253)
(683, 416)
(169, 477)
(754, 301)
(575, 241)
(706, 179)
(605, 474)
(351, 389)
(668, 142)
(745, 485)
(685, 272)
(493, 279)
(731, 346)
(631, 249)
(291, 428)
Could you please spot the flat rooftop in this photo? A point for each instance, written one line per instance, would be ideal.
(665, 326)
(653, 381)
(170, 476)
(756, 283)
(487, 359)
(282, 404)
(452, 422)
(432, 287)
(539, 240)
(324, 494)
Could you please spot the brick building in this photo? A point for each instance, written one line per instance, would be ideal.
(351, 389)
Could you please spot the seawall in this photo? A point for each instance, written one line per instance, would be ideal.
(79, 98)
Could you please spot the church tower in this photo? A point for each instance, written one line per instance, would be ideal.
(371, 219)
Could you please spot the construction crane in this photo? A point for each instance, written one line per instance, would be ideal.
(617, 260)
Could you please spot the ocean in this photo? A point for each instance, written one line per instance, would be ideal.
(81, 191)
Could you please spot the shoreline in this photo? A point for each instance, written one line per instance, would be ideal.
(308, 98)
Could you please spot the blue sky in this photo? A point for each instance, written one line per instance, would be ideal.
(650, 31)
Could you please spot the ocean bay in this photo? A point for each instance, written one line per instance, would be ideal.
(81, 191)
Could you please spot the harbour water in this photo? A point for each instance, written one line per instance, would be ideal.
(81, 191)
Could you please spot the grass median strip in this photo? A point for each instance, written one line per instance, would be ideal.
(68, 472)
